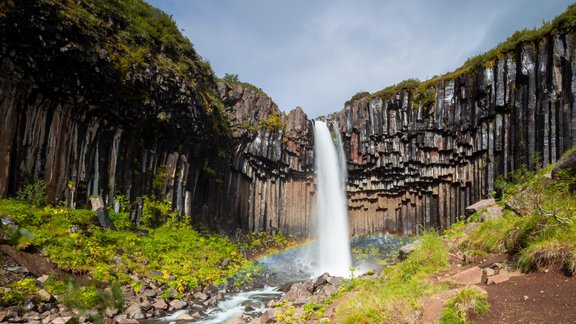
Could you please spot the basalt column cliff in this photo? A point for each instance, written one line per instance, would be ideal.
(114, 101)
(419, 155)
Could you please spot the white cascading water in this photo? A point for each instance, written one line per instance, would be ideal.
(331, 211)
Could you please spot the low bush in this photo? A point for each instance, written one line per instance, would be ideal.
(470, 300)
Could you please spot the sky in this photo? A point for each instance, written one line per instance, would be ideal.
(317, 54)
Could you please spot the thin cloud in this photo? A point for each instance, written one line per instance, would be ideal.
(317, 54)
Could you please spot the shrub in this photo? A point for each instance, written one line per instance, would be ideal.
(467, 301)
(33, 194)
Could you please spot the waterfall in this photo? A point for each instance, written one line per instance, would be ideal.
(331, 211)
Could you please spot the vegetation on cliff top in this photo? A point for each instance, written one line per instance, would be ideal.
(138, 51)
(424, 92)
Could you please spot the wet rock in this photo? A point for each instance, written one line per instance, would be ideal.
(236, 320)
(185, 317)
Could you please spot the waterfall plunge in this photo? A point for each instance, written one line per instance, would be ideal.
(331, 213)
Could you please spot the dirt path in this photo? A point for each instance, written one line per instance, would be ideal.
(533, 298)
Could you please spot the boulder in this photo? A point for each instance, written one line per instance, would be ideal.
(298, 294)
(236, 320)
(65, 320)
(566, 164)
(201, 296)
(486, 209)
(160, 304)
(18, 269)
(45, 296)
(269, 316)
(404, 251)
(149, 292)
(470, 276)
(135, 312)
(185, 317)
(128, 321)
(98, 206)
(502, 277)
(178, 304)
(41, 280)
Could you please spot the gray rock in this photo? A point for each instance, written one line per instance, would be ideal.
(127, 321)
(236, 320)
(41, 280)
(65, 320)
(149, 292)
(160, 304)
(18, 269)
(566, 165)
(135, 312)
(178, 304)
(201, 296)
(184, 317)
(145, 305)
(45, 296)
(404, 251)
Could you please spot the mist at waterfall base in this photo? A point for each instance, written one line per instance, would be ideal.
(330, 208)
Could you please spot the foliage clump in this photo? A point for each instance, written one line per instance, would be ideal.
(33, 194)
(394, 297)
(468, 301)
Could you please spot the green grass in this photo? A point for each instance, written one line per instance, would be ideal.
(545, 236)
(173, 254)
(466, 302)
(394, 298)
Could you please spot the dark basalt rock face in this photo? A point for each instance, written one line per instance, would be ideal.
(68, 115)
(270, 182)
(412, 166)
